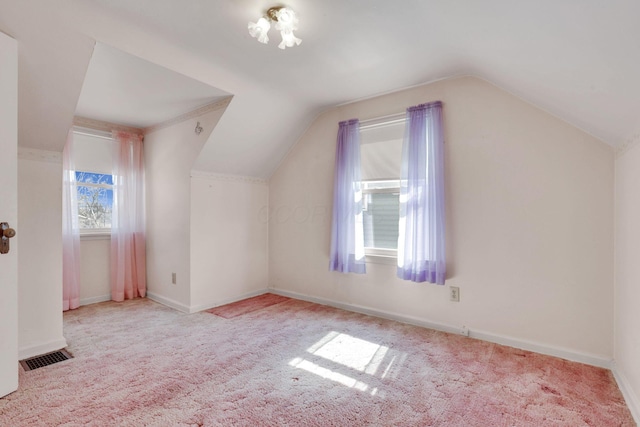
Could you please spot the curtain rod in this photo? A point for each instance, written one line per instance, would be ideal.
(382, 121)
(81, 130)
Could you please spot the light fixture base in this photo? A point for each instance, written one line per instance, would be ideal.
(272, 13)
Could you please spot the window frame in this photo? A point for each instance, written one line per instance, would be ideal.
(381, 255)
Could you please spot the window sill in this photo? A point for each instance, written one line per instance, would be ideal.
(95, 236)
(381, 259)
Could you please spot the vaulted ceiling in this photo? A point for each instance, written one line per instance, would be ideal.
(577, 59)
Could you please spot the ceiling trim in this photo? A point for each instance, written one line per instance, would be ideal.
(219, 105)
(38, 155)
(104, 126)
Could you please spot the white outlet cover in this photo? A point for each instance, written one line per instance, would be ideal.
(454, 293)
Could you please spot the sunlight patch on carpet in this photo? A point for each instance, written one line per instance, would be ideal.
(350, 351)
(336, 352)
(328, 374)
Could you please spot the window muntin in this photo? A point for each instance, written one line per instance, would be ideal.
(95, 201)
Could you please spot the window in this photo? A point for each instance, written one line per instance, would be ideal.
(381, 156)
(95, 201)
(93, 158)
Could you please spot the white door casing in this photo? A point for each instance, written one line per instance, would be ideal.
(9, 213)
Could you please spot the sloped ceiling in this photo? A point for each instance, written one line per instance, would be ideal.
(124, 89)
(578, 59)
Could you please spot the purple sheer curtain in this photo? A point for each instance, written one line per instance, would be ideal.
(347, 240)
(70, 231)
(421, 246)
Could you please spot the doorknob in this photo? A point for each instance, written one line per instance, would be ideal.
(6, 233)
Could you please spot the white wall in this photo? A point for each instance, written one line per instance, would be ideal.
(627, 273)
(229, 238)
(40, 260)
(95, 269)
(169, 155)
(529, 224)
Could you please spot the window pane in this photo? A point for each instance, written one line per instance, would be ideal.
(94, 178)
(380, 219)
(95, 200)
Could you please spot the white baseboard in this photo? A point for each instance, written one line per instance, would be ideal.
(549, 350)
(629, 395)
(38, 349)
(195, 308)
(200, 307)
(168, 302)
(370, 311)
(94, 300)
(563, 353)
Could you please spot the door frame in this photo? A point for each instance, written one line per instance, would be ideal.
(9, 213)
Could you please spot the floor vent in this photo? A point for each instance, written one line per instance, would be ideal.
(45, 360)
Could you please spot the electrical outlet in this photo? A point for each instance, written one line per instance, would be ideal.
(454, 293)
(464, 331)
(173, 278)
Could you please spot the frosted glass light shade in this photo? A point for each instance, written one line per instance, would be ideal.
(260, 29)
(287, 20)
(288, 39)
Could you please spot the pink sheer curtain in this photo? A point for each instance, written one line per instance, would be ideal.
(128, 252)
(70, 231)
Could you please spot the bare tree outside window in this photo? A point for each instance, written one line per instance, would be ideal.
(95, 200)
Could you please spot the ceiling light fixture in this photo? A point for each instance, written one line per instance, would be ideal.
(286, 22)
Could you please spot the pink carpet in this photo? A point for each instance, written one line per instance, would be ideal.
(235, 309)
(296, 363)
